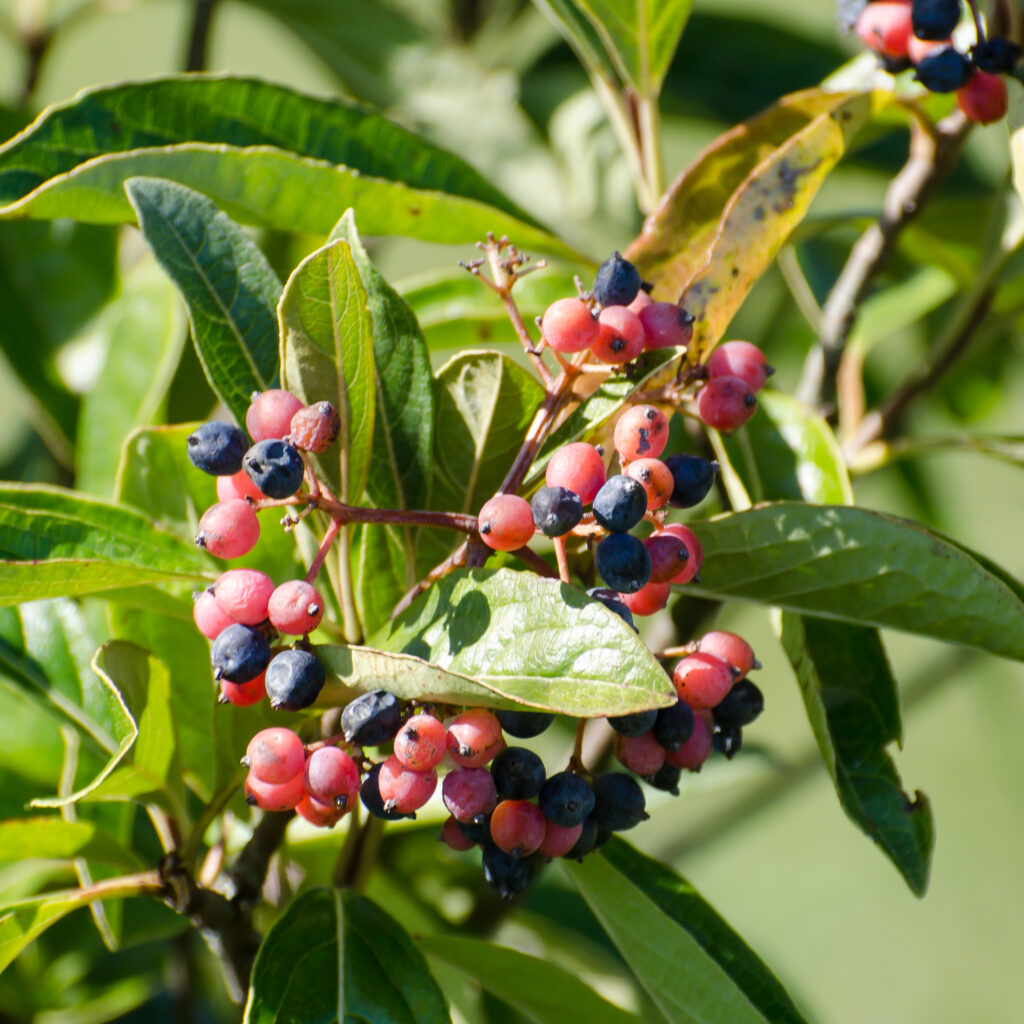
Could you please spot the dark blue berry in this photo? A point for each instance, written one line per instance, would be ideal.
(617, 282)
(623, 563)
(524, 725)
(556, 510)
(741, 705)
(610, 599)
(934, 19)
(634, 725)
(507, 874)
(518, 774)
(674, 725)
(995, 56)
(369, 793)
(727, 740)
(275, 467)
(478, 830)
(692, 477)
(945, 71)
(587, 841)
(666, 778)
(217, 448)
(372, 718)
(566, 799)
(620, 504)
(294, 680)
(239, 653)
(618, 802)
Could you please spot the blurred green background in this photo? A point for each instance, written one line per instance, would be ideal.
(762, 837)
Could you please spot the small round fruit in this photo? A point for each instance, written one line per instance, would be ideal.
(674, 725)
(421, 743)
(369, 794)
(655, 477)
(454, 837)
(918, 49)
(559, 839)
(640, 754)
(649, 599)
(469, 793)
(741, 705)
(618, 802)
(578, 467)
(508, 875)
(318, 814)
(556, 510)
(294, 680)
(620, 504)
(315, 428)
(702, 680)
(270, 413)
(271, 797)
(984, 98)
(506, 522)
(243, 695)
(518, 774)
(692, 479)
(524, 725)
(216, 448)
(666, 325)
(620, 336)
(243, 594)
(944, 70)
(623, 563)
(617, 282)
(275, 755)
(669, 555)
(885, 26)
(696, 750)
(727, 739)
(228, 529)
(995, 55)
(568, 326)
(402, 789)
(239, 653)
(474, 738)
(696, 552)
(518, 827)
(371, 718)
(730, 648)
(612, 600)
(331, 777)
(238, 485)
(295, 608)
(275, 467)
(566, 799)
(934, 19)
(633, 725)
(726, 403)
(666, 778)
(740, 359)
(641, 433)
(210, 619)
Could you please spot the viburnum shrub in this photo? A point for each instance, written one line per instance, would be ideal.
(398, 652)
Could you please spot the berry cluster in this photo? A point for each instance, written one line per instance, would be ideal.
(918, 34)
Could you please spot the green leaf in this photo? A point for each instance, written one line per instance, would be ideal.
(228, 286)
(382, 570)
(543, 991)
(863, 567)
(692, 964)
(142, 333)
(50, 837)
(1015, 123)
(852, 704)
(55, 542)
(530, 641)
(580, 34)
(327, 354)
(357, 964)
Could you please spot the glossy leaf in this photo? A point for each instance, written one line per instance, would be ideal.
(580, 34)
(358, 964)
(692, 964)
(327, 354)
(529, 640)
(52, 837)
(382, 571)
(852, 704)
(228, 286)
(863, 567)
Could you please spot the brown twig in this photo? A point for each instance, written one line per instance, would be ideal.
(563, 561)
(199, 35)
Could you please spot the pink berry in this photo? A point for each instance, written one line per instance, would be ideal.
(455, 837)
(702, 680)
(743, 360)
(230, 488)
(244, 595)
(229, 529)
(730, 648)
(295, 608)
(209, 617)
(641, 754)
(506, 522)
(421, 743)
(518, 827)
(696, 750)
(331, 777)
(983, 98)
(726, 403)
(918, 49)
(560, 839)
(469, 792)
(271, 797)
(403, 790)
(475, 738)
(693, 547)
(243, 695)
(568, 326)
(620, 337)
(655, 478)
(275, 755)
(641, 302)
(886, 27)
(641, 433)
(315, 428)
(578, 467)
(669, 555)
(666, 325)
(269, 417)
(318, 814)
(648, 600)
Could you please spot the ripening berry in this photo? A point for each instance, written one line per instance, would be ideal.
(649, 599)
(228, 529)
(640, 754)
(469, 793)
(620, 504)
(294, 680)
(421, 743)
(556, 510)
(402, 789)
(655, 477)
(918, 49)
(238, 485)
(243, 594)
(566, 799)
(740, 359)
(518, 827)
(275, 467)
(885, 26)
(702, 680)
(669, 555)
(641, 433)
(696, 552)
(216, 448)
(944, 70)
(369, 794)
(983, 98)
(618, 802)
(243, 695)
(269, 416)
(295, 608)
(741, 705)
(692, 479)
(617, 282)
(578, 467)
(568, 326)
(474, 738)
(726, 403)
(620, 336)
(524, 725)
(239, 653)
(666, 325)
(730, 648)
(275, 755)
(210, 619)
(934, 19)
(622, 562)
(331, 777)
(271, 797)
(635, 724)
(315, 428)
(455, 837)
(506, 522)
(696, 750)
(559, 839)
(371, 718)
(318, 814)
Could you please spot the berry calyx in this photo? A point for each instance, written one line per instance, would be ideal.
(318, 814)
(578, 467)
(243, 695)
(506, 522)
(275, 755)
(669, 555)
(726, 403)
(295, 608)
(270, 413)
(641, 433)
(228, 529)
(369, 794)
(568, 326)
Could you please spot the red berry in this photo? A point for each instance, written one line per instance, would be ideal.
(560, 839)
(568, 326)
(696, 750)
(641, 433)
(730, 648)
(740, 359)
(666, 325)
(620, 337)
(269, 417)
(885, 26)
(403, 790)
(696, 552)
(209, 617)
(648, 600)
(983, 98)
(669, 555)
(475, 738)
(275, 755)
(469, 792)
(578, 467)
(331, 777)
(506, 522)
(641, 302)
(229, 529)
(243, 594)
(295, 608)
(642, 754)
(518, 827)
(270, 797)
(239, 485)
(316, 813)
(243, 695)
(702, 680)
(315, 428)
(655, 478)
(421, 743)
(455, 837)
(726, 403)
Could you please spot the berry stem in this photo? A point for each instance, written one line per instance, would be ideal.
(333, 529)
(349, 613)
(535, 562)
(576, 759)
(563, 561)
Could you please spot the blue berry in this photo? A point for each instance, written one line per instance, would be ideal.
(674, 725)
(588, 840)
(294, 680)
(239, 653)
(507, 874)
(369, 793)
(566, 799)
(934, 19)
(620, 504)
(623, 563)
(518, 774)
(610, 599)
(372, 718)
(945, 71)
(634, 725)
(727, 740)
(275, 467)
(478, 830)
(524, 725)
(692, 477)
(995, 56)
(666, 778)
(741, 705)
(618, 802)
(217, 448)
(617, 282)
(556, 510)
